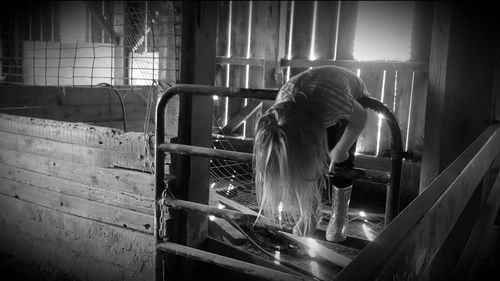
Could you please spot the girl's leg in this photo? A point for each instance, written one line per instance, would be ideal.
(340, 189)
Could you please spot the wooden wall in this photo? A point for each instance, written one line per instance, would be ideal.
(96, 106)
(260, 43)
(77, 196)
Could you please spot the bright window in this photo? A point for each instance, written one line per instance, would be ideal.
(383, 30)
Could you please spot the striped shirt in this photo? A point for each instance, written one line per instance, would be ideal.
(330, 90)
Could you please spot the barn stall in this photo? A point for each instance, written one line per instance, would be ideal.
(87, 203)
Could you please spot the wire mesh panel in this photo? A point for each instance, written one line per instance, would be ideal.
(77, 43)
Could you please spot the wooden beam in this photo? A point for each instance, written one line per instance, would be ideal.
(408, 245)
(242, 115)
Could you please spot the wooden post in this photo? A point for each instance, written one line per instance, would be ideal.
(438, 63)
(461, 75)
(195, 119)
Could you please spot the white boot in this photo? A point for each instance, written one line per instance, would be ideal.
(339, 221)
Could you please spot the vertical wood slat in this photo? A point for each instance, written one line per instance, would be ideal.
(403, 97)
(347, 27)
(301, 35)
(326, 29)
(239, 41)
(417, 117)
(385, 133)
(222, 40)
(367, 142)
(262, 41)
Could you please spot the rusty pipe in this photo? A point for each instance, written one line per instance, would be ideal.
(393, 189)
(205, 152)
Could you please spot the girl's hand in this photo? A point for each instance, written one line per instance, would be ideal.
(337, 156)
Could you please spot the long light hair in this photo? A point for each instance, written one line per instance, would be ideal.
(290, 159)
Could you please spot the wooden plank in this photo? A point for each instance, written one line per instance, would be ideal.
(132, 126)
(346, 30)
(73, 243)
(222, 37)
(301, 34)
(418, 113)
(75, 133)
(408, 245)
(78, 206)
(111, 143)
(237, 80)
(219, 116)
(91, 113)
(367, 142)
(114, 179)
(238, 48)
(402, 103)
(221, 77)
(389, 91)
(120, 199)
(240, 61)
(113, 236)
(373, 66)
(264, 29)
(274, 15)
(78, 154)
(44, 253)
(326, 29)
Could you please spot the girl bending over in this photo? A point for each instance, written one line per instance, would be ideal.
(312, 126)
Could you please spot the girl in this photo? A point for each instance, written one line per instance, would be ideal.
(315, 119)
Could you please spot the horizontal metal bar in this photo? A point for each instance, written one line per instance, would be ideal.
(226, 262)
(188, 206)
(364, 65)
(205, 152)
(240, 61)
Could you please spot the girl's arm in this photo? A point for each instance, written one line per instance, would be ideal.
(357, 122)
